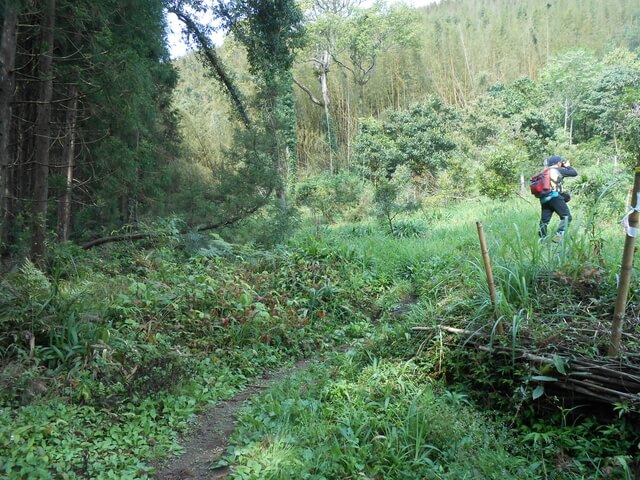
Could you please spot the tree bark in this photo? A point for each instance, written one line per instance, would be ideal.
(8, 43)
(69, 153)
(42, 134)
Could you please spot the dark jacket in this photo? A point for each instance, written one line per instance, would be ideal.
(557, 174)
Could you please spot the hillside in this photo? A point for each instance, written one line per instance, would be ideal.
(313, 252)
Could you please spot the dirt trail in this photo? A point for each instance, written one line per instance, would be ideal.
(207, 442)
(209, 439)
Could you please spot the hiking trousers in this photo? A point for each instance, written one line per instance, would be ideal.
(560, 207)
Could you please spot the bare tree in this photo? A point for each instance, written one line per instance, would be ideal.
(321, 64)
(324, 14)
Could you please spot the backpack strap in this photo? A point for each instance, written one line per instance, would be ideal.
(556, 185)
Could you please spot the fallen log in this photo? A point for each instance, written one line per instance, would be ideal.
(143, 235)
(117, 238)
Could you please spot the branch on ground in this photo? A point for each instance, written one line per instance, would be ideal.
(145, 235)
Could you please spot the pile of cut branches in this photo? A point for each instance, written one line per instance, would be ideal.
(564, 372)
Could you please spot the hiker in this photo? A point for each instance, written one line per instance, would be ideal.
(556, 200)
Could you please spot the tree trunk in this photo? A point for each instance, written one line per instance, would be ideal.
(42, 134)
(323, 68)
(361, 105)
(280, 167)
(124, 208)
(321, 63)
(69, 151)
(571, 129)
(390, 221)
(279, 162)
(25, 108)
(8, 42)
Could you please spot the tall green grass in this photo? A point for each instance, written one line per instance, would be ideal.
(542, 289)
(354, 418)
(444, 266)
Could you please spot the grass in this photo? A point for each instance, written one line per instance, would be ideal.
(108, 381)
(351, 418)
(446, 266)
(378, 412)
(99, 391)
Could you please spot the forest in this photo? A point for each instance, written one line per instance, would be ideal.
(307, 248)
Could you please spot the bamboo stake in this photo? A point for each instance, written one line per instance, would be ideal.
(489, 271)
(625, 270)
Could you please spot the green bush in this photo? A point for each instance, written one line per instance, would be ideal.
(503, 163)
(329, 197)
(410, 228)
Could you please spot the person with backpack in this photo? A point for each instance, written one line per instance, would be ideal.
(547, 186)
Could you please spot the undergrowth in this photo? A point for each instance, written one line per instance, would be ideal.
(106, 356)
(100, 370)
(551, 298)
(371, 419)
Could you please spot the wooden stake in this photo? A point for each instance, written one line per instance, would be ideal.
(489, 271)
(626, 269)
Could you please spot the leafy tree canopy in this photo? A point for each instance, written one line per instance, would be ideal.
(420, 138)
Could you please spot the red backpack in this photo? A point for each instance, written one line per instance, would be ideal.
(541, 183)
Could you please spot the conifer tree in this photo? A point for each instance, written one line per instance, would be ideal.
(42, 132)
(91, 113)
(8, 45)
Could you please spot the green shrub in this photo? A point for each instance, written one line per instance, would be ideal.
(329, 197)
(503, 164)
(410, 228)
(378, 419)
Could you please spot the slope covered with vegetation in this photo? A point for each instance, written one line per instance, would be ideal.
(139, 340)
(168, 231)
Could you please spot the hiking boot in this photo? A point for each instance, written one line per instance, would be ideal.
(558, 238)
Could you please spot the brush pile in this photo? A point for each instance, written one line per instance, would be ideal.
(564, 372)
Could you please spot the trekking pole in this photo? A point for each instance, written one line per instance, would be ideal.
(626, 268)
(489, 272)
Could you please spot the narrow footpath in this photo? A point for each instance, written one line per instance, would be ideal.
(207, 442)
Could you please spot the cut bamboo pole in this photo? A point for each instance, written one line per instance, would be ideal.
(489, 272)
(626, 269)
